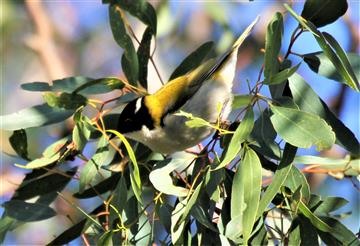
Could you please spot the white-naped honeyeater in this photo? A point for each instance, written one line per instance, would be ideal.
(152, 119)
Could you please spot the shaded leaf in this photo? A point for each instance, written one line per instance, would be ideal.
(321, 13)
(241, 134)
(141, 9)
(315, 220)
(143, 54)
(36, 116)
(129, 60)
(97, 160)
(320, 63)
(295, 180)
(339, 233)
(43, 185)
(100, 188)
(27, 212)
(193, 60)
(273, 39)
(18, 141)
(302, 129)
(279, 178)
(330, 204)
(99, 86)
(65, 100)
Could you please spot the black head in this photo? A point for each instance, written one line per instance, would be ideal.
(134, 116)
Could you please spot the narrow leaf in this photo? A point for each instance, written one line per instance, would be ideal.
(241, 134)
(129, 60)
(278, 178)
(273, 39)
(36, 116)
(143, 54)
(281, 76)
(27, 212)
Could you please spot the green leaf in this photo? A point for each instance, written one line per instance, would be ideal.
(315, 220)
(27, 212)
(97, 160)
(322, 13)
(36, 116)
(141, 9)
(302, 129)
(36, 86)
(106, 238)
(193, 60)
(308, 101)
(18, 141)
(82, 130)
(240, 101)
(273, 39)
(339, 233)
(336, 57)
(281, 76)
(330, 204)
(162, 180)
(143, 54)
(177, 230)
(77, 84)
(45, 184)
(50, 155)
(245, 194)
(64, 100)
(100, 188)
(129, 59)
(278, 179)
(134, 168)
(100, 86)
(320, 63)
(241, 134)
(348, 72)
(296, 179)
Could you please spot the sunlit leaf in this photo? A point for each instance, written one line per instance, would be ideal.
(240, 101)
(246, 191)
(302, 129)
(281, 76)
(315, 220)
(308, 101)
(240, 135)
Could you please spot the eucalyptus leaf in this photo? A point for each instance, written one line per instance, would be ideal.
(27, 212)
(245, 194)
(129, 59)
(18, 141)
(241, 134)
(36, 116)
(324, 12)
(143, 54)
(302, 129)
(273, 39)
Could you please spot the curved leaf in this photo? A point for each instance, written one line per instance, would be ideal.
(143, 54)
(302, 129)
(323, 12)
(28, 212)
(39, 115)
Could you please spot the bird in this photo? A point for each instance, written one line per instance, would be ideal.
(153, 119)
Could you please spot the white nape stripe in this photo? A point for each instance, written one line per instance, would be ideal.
(138, 104)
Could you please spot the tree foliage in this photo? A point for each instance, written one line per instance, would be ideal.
(216, 197)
